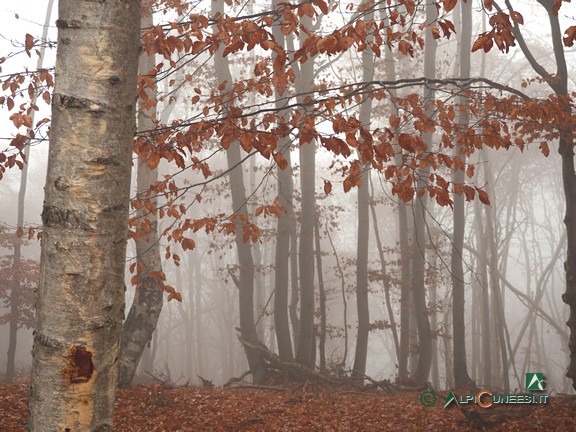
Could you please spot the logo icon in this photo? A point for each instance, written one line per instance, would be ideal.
(428, 398)
(449, 399)
(535, 381)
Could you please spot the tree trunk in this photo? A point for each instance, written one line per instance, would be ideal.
(238, 191)
(363, 229)
(385, 278)
(285, 226)
(403, 234)
(434, 371)
(419, 241)
(198, 315)
(344, 298)
(80, 303)
(569, 297)
(148, 297)
(461, 378)
(322, 297)
(294, 286)
(306, 252)
(485, 316)
(498, 311)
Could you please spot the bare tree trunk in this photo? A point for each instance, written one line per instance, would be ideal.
(294, 246)
(199, 315)
(434, 372)
(148, 297)
(294, 286)
(284, 228)
(322, 291)
(485, 316)
(461, 378)
(498, 310)
(259, 291)
(80, 303)
(419, 242)
(403, 230)
(14, 299)
(245, 261)
(306, 253)
(362, 304)
(344, 301)
(191, 366)
(385, 279)
(448, 352)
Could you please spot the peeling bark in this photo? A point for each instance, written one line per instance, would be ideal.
(80, 300)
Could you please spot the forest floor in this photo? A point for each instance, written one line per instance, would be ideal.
(150, 408)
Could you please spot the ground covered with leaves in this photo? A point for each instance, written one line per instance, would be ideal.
(302, 408)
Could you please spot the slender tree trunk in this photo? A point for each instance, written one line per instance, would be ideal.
(245, 261)
(148, 297)
(80, 303)
(199, 315)
(284, 228)
(474, 324)
(385, 278)
(497, 303)
(485, 316)
(260, 295)
(322, 297)
(461, 378)
(569, 297)
(363, 230)
(14, 301)
(191, 365)
(448, 352)
(306, 253)
(434, 372)
(344, 298)
(419, 246)
(498, 311)
(403, 235)
(294, 286)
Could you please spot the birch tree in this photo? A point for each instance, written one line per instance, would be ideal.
(80, 301)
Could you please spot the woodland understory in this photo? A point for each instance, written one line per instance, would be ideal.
(300, 407)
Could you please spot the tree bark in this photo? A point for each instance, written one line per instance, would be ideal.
(306, 241)
(80, 301)
(461, 378)
(285, 226)
(148, 298)
(361, 353)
